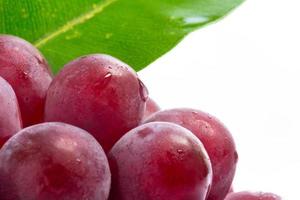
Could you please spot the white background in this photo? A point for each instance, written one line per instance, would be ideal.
(245, 70)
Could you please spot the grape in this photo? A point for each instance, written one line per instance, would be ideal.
(252, 196)
(216, 139)
(23, 66)
(159, 161)
(52, 161)
(151, 107)
(10, 118)
(99, 94)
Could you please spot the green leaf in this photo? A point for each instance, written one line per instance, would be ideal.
(136, 31)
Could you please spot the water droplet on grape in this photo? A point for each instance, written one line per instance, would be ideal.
(208, 190)
(104, 82)
(23, 75)
(143, 91)
(195, 114)
(39, 59)
(107, 79)
(236, 157)
(180, 151)
(108, 75)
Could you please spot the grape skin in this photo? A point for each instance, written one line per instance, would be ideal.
(252, 196)
(99, 94)
(24, 67)
(216, 139)
(151, 107)
(53, 161)
(159, 161)
(10, 117)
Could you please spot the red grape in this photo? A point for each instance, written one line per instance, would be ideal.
(151, 107)
(99, 94)
(53, 161)
(10, 118)
(252, 196)
(23, 66)
(216, 139)
(159, 161)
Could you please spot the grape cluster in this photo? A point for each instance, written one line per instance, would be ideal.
(92, 133)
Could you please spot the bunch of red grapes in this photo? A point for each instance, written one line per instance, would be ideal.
(92, 133)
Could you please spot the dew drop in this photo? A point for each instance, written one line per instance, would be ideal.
(236, 157)
(195, 113)
(108, 75)
(208, 190)
(195, 21)
(143, 91)
(104, 82)
(210, 117)
(39, 59)
(180, 151)
(23, 75)
(107, 79)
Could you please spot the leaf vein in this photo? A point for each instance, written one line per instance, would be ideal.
(98, 8)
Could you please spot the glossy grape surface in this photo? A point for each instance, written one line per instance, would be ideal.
(53, 161)
(99, 94)
(10, 117)
(151, 107)
(23, 66)
(216, 139)
(252, 196)
(159, 161)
